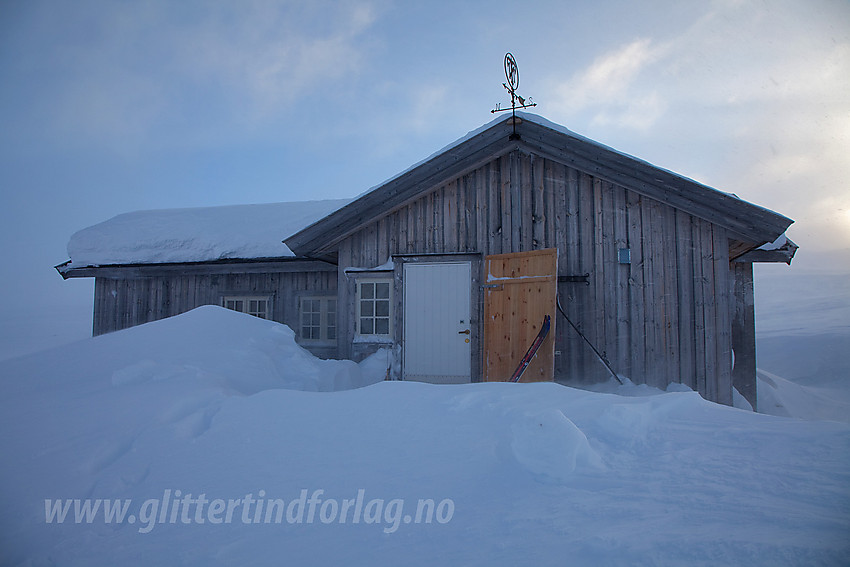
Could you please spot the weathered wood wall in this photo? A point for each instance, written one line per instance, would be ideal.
(120, 303)
(665, 317)
(744, 332)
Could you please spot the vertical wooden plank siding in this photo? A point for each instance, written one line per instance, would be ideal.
(588, 304)
(671, 296)
(687, 329)
(559, 189)
(700, 328)
(607, 260)
(708, 387)
(535, 192)
(622, 358)
(637, 335)
(516, 209)
(492, 196)
(468, 206)
(604, 307)
(724, 310)
(649, 277)
(744, 333)
(572, 263)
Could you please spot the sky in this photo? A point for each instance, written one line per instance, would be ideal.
(109, 107)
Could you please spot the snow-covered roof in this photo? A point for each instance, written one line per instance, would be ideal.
(196, 234)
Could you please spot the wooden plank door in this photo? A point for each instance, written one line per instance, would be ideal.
(437, 329)
(520, 289)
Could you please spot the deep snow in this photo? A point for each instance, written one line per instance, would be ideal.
(218, 403)
(196, 234)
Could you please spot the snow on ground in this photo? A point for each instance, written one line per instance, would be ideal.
(803, 339)
(778, 396)
(801, 303)
(223, 405)
(196, 234)
(24, 330)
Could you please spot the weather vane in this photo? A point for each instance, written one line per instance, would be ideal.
(512, 76)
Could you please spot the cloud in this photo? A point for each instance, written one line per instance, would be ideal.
(274, 55)
(609, 77)
(638, 113)
(607, 88)
(427, 101)
(124, 74)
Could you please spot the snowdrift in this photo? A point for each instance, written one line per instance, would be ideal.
(196, 234)
(219, 441)
(778, 396)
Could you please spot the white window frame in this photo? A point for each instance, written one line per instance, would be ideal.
(327, 319)
(361, 303)
(246, 304)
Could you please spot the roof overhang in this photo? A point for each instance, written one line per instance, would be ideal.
(782, 253)
(224, 266)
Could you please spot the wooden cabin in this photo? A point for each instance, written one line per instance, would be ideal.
(455, 263)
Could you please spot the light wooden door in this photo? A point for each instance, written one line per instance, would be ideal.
(437, 330)
(520, 289)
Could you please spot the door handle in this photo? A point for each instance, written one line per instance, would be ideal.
(466, 332)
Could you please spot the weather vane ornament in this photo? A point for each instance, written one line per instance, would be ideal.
(512, 84)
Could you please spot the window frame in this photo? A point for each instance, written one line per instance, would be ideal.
(325, 318)
(246, 303)
(358, 315)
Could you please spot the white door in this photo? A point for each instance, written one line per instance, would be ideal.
(437, 330)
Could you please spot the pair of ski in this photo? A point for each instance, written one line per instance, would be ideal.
(532, 350)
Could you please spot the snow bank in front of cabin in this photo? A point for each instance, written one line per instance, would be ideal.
(211, 404)
(196, 234)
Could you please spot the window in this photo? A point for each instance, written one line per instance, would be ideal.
(373, 308)
(258, 306)
(318, 318)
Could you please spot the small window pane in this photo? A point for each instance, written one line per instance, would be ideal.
(367, 308)
(382, 326)
(367, 291)
(382, 290)
(382, 308)
(366, 326)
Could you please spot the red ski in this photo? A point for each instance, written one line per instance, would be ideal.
(532, 350)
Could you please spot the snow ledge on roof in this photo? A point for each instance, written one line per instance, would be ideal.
(196, 234)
